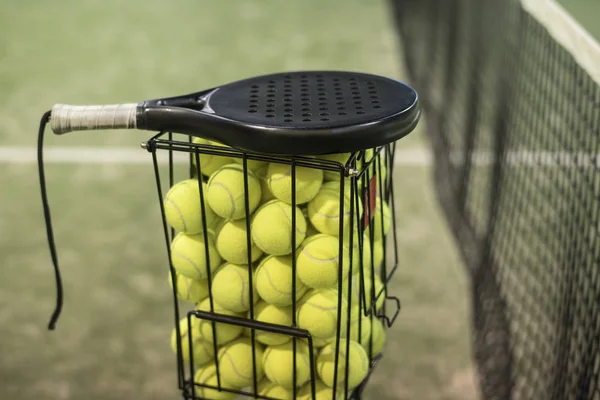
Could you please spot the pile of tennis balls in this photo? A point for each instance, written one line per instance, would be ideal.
(212, 239)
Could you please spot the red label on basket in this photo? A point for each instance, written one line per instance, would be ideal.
(372, 195)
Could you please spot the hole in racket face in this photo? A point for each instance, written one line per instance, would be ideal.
(311, 99)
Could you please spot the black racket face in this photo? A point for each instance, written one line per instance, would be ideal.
(312, 100)
(295, 113)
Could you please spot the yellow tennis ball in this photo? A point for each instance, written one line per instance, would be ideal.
(383, 218)
(361, 253)
(354, 357)
(182, 207)
(207, 375)
(232, 242)
(190, 289)
(318, 262)
(231, 287)
(324, 209)
(308, 182)
(236, 362)
(224, 332)
(363, 291)
(341, 158)
(253, 165)
(261, 174)
(372, 255)
(364, 158)
(272, 228)
(273, 390)
(266, 312)
(278, 363)
(360, 324)
(378, 251)
(226, 194)
(377, 339)
(274, 281)
(209, 163)
(201, 349)
(322, 392)
(374, 168)
(188, 255)
(318, 312)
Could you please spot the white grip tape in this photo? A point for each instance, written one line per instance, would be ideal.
(65, 118)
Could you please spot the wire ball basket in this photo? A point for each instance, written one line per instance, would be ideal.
(278, 212)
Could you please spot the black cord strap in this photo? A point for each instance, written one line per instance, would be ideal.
(49, 230)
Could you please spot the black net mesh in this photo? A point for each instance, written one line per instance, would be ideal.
(514, 121)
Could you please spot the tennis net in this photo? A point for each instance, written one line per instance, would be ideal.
(511, 97)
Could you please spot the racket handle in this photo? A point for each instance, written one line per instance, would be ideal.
(65, 118)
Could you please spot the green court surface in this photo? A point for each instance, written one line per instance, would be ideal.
(112, 341)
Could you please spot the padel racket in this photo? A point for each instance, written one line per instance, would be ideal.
(296, 113)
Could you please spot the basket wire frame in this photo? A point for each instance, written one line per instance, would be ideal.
(359, 173)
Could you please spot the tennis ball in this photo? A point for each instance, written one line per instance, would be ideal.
(370, 155)
(224, 332)
(231, 287)
(377, 339)
(360, 325)
(318, 262)
(232, 242)
(202, 349)
(308, 182)
(266, 312)
(273, 390)
(364, 158)
(208, 376)
(355, 358)
(274, 281)
(318, 312)
(190, 289)
(261, 174)
(253, 165)
(372, 255)
(324, 209)
(378, 251)
(236, 364)
(383, 218)
(366, 284)
(322, 392)
(272, 228)
(225, 192)
(279, 364)
(182, 207)
(379, 288)
(341, 158)
(188, 255)
(209, 163)
(357, 249)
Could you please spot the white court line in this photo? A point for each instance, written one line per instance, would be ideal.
(405, 158)
(120, 155)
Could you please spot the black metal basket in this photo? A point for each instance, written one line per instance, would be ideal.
(216, 345)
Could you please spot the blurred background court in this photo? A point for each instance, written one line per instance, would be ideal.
(112, 341)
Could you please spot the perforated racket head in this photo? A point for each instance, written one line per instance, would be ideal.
(312, 100)
(296, 113)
